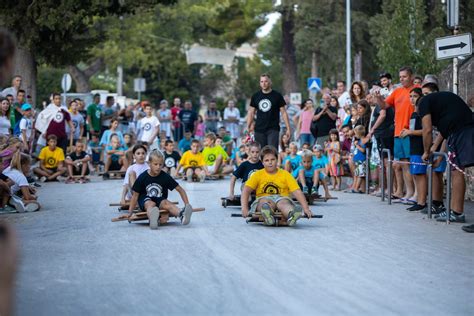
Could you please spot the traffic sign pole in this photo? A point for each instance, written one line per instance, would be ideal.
(455, 68)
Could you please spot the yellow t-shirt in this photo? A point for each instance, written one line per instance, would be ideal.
(51, 158)
(192, 160)
(211, 153)
(279, 183)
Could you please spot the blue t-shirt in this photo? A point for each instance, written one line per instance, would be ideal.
(295, 161)
(184, 145)
(308, 173)
(105, 140)
(359, 156)
(319, 163)
(115, 157)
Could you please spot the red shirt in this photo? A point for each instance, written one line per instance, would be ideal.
(174, 113)
(57, 126)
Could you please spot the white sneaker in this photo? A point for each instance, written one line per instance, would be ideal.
(17, 203)
(43, 179)
(154, 217)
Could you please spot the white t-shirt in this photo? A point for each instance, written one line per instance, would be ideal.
(17, 177)
(344, 99)
(26, 124)
(147, 127)
(165, 125)
(138, 168)
(4, 125)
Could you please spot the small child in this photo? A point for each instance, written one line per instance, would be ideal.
(293, 160)
(128, 141)
(95, 150)
(185, 144)
(77, 163)
(307, 175)
(215, 156)
(193, 163)
(116, 160)
(320, 163)
(200, 129)
(12, 145)
(172, 158)
(333, 150)
(239, 155)
(148, 127)
(359, 142)
(51, 161)
(273, 187)
(26, 128)
(150, 191)
(246, 168)
(134, 171)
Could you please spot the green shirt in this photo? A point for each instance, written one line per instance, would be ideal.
(211, 153)
(15, 116)
(95, 114)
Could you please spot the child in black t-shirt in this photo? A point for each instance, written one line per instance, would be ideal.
(172, 158)
(77, 163)
(150, 191)
(246, 168)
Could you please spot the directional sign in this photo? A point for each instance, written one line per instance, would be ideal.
(139, 85)
(314, 84)
(295, 98)
(454, 46)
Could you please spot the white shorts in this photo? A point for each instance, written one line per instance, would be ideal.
(211, 169)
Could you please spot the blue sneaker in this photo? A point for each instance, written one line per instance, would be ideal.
(267, 215)
(442, 217)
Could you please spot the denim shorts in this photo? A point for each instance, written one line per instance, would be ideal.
(401, 148)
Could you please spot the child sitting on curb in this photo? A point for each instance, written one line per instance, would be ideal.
(77, 163)
(51, 161)
(172, 158)
(215, 156)
(193, 163)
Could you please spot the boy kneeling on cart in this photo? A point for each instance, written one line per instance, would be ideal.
(273, 187)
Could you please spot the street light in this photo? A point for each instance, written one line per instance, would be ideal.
(348, 43)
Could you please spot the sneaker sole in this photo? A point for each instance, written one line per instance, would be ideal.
(188, 211)
(297, 213)
(153, 217)
(32, 207)
(267, 217)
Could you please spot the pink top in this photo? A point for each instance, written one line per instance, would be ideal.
(306, 118)
(201, 129)
(6, 161)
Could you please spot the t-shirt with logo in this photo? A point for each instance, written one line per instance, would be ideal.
(95, 114)
(268, 110)
(295, 161)
(400, 100)
(50, 158)
(77, 156)
(77, 121)
(211, 153)
(171, 160)
(320, 163)
(26, 125)
(279, 183)
(247, 169)
(154, 186)
(188, 117)
(57, 126)
(147, 127)
(192, 160)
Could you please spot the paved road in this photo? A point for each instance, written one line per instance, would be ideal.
(363, 257)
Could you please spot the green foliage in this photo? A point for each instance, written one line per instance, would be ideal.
(49, 80)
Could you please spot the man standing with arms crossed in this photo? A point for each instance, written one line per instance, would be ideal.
(268, 104)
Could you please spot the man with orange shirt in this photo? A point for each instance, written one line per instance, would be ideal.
(400, 101)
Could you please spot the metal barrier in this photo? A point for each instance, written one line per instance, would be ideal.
(367, 171)
(448, 184)
(389, 176)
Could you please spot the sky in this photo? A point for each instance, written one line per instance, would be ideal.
(265, 29)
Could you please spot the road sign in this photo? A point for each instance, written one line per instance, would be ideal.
(454, 46)
(66, 82)
(295, 98)
(139, 84)
(314, 84)
(453, 13)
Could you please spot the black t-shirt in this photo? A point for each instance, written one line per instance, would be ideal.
(387, 128)
(268, 110)
(171, 160)
(154, 186)
(84, 116)
(416, 142)
(325, 123)
(449, 113)
(188, 117)
(246, 169)
(75, 156)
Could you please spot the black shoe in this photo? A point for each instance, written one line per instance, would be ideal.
(415, 208)
(106, 176)
(435, 210)
(468, 228)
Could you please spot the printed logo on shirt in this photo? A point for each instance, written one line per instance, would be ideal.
(251, 173)
(211, 157)
(97, 114)
(147, 127)
(193, 163)
(154, 190)
(51, 161)
(271, 188)
(75, 123)
(170, 162)
(264, 105)
(58, 118)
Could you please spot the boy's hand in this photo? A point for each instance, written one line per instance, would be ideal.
(245, 212)
(308, 213)
(231, 196)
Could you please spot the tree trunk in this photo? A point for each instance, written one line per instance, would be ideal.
(290, 73)
(25, 66)
(81, 77)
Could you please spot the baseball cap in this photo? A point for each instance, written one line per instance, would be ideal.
(430, 79)
(26, 107)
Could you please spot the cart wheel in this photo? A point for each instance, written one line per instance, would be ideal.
(224, 203)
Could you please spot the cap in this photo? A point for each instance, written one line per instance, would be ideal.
(430, 79)
(163, 102)
(26, 107)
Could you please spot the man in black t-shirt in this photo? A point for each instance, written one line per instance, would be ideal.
(454, 120)
(268, 104)
(325, 118)
(188, 117)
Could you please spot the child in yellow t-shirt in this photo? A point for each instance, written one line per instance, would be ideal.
(193, 163)
(51, 161)
(273, 187)
(215, 156)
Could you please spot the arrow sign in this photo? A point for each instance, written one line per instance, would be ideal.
(454, 46)
(314, 84)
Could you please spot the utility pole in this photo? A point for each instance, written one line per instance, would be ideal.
(348, 43)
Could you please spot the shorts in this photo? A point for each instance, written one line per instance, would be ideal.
(53, 170)
(461, 147)
(385, 143)
(359, 170)
(143, 198)
(78, 172)
(417, 169)
(274, 198)
(192, 168)
(211, 169)
(401, 148)
(115, 166)
(442, 166)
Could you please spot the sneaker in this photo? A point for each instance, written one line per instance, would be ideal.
(43, 179)
(190, 178)
(305, 190)
(61, 179)
(82, 180)
(202, 177)
(7, 209)
(106, 176)
(267, 215)
(154, 217)
(294, 215)
(435, 210)
(442, 217)
(415, 208)
(468, 228)
(70, 180)
(185, 214)
(17, 203)
(32, 207)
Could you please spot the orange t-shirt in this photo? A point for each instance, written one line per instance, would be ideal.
(400, 100)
